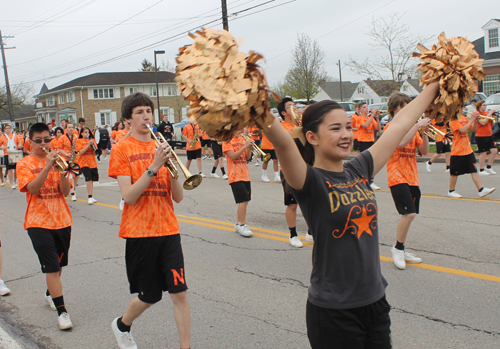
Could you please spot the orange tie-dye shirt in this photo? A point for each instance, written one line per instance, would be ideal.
(56, 144)
(461, 143)
(27, 146)
(188, 131)
(237, 170)
(402, 166)
(67, 144)
(48, 209)
(439, 138)
(113, 135)
(484, 130)
(365, 134)
(254, 133)
(354, 124)
(4, 142)
(86, 159)
(120, 134)
(266, 143)
(153, 213)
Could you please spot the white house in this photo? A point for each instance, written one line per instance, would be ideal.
(331, 90)
(375, 91)
(488, 48)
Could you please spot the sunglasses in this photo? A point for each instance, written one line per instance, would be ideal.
(40, 141)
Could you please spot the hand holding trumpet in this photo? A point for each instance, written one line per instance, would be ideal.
(162, 155)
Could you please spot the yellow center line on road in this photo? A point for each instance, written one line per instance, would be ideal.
(437, 196)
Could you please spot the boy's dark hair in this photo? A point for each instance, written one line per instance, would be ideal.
(281, 106)
(137, 99)
(58, 129)
(397, 99)
(39, 127)
(91, 136)
(81, 120)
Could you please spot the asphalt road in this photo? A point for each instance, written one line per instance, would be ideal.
(251, 292)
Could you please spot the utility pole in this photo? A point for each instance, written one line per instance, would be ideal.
(225, 23)
(7, 86)
(340, 75)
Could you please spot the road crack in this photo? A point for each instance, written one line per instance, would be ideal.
(284, 280)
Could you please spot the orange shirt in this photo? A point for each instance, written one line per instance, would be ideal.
(402, 166)
(288, 126)
(461, 142)
(86, 159)
(67, 144)
(188, 132)
(484, 130)
(237, 170)
(56, 144)
(27, 146)
(20, 141)
(113, 135)
(365, 134)
(266, 144)
(254, 133)
(4, 142)
(439, 138)
(354, 123)
(120, 134)
(48, 209)
(204, 136)
(153, 213)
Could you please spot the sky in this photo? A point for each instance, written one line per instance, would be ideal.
(57, 41)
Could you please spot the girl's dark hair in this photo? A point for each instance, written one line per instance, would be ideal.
(115, 127)
(58, 129)
(137, 99)
(397, 99)
(91, 136)
(478, 104)
(312, 117)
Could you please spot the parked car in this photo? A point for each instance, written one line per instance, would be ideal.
(469, 106)
(384, 120)
(493, 102)
(275, 112)
(348, 107)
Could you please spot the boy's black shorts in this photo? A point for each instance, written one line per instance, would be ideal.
(90, 174)
(364, 146)
(242, 191)
(484, 144)
(193, 154)
(272, 152)
(442, 148)
(355, 146)
(51, 246)
(406, 198)
(154, 265)
(216, 149)
(462, 164)
(289, 199)
(205, 142)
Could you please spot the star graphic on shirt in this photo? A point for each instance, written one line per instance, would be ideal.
(363, 223)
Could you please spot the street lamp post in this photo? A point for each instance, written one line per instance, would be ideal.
(340, 75)
(156, 79)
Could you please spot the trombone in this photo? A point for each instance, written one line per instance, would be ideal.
(63, 167)
(432, 132)
(256, 151)
(192, 180)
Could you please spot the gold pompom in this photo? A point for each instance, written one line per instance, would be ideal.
(455, 64)
(226, 89)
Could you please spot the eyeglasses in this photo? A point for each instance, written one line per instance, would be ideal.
(40, 141)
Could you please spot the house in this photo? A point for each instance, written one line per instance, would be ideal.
(24, 116)
(488, 48)
(411, 87)
(375, 91)
(98, 97)
(331, 90)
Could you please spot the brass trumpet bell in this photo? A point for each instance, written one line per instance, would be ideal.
(257, 151)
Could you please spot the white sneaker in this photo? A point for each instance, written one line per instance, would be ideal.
(277, 178)
(215, 175)
(410, 258)
(122, 204)
(490, 171)
(486, 191)
(204, 157)
(398, 257)
(256, 164)
(224, 176)
(98, 161)
(124, 339)
(264, 178)
(209, 158)
(91, 201)
(4, 290)
(484, 173)
(308, 237)
(202, 175)
(447, 170)
(374, 186)
(295, 242)
(243, 230)
(2, 184)
(64, 321)
(455, 195)
(73, 197)
(50, 302)
(14, 186)
(428, 166)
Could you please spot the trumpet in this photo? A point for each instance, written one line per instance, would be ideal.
(63, 167)
(297, 120)
(192, 180)
(432, 132)
(257, 151)
(483, 117)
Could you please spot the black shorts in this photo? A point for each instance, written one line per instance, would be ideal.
(272, 152)
(155, 265)
(242, 191)
(90, 174)
(289, 199)
(52, 247)
(364, 146)
(355, 145)
(217, 149)
(205, 142)
(442, 148)
(193, 154)
(7, 164)
(366, 327)
(406, 198)
(462, 164)
(103, 144)
(484, 144)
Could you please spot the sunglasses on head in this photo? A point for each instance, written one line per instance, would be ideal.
(40, 141)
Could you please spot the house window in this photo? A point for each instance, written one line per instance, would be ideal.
(133, 90)
(152, 91)
(100, 93)
(71, 96)
(361, 90)
(171, 90)
(493, 37)
(61, 98)
(491, 84)
(51, 101)
(105, 118)
(384, 100)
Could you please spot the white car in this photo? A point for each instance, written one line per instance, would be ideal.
(493, 102)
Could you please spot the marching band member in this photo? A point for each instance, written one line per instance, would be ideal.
(402, 177)
(238, 152)
(86, 148)
(206, 144)
(484, 139)
(346, 306)
(462, 158)
(191, 133)
(442, 147)
(218, 157)
(354, 125)
(153, 252)
(9, 141)
(366, 125)
(268, 148)
(48, 218)
(68, 143)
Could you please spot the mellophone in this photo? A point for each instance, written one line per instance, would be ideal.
(64, 167)
(192, 180)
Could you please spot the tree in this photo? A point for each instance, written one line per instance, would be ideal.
(163, 66)
(392, 36)
(21, 94)
(147, 66)
(307, 73)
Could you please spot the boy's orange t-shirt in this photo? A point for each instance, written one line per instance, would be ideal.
(86, 159)
(56, 143)
(461, 143)
(237, 170)
(354, 124)
(188, 131)
(365, 134)
(205, 136)
(402, 166)
(120, 134)
(153, 213)
(254, 133)
(113, 134)
(439, 138)
(484, 130)
(67, 144)
(27, 146)
(48, 209)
